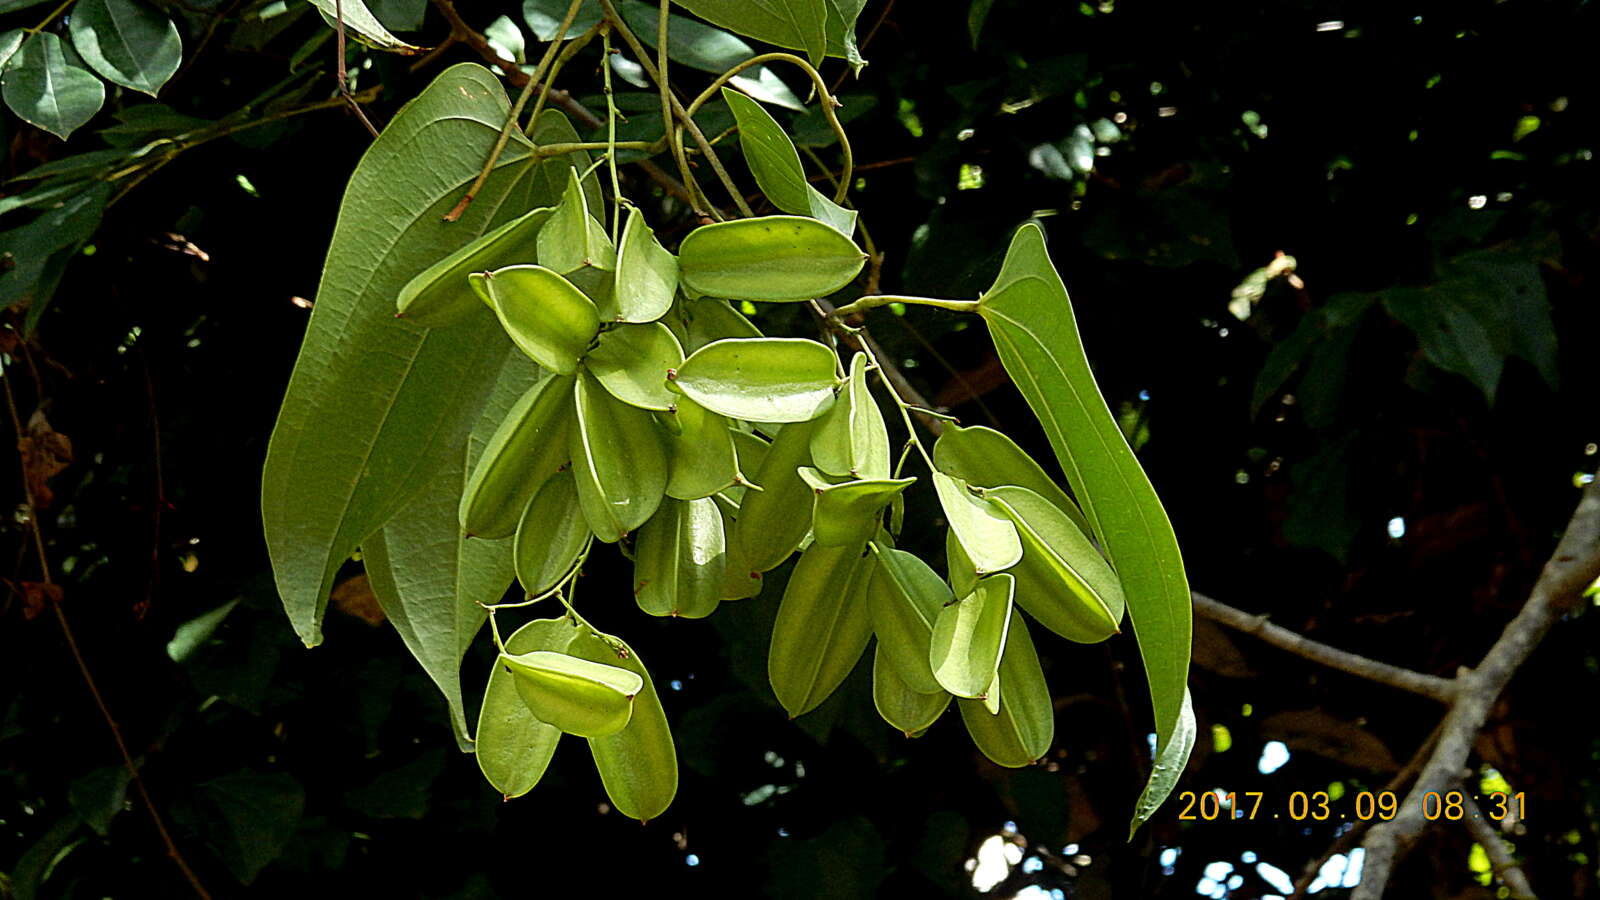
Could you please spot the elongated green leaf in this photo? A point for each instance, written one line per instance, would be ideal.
(796, 24)
(428, 577)
(988, 538)
(618, 459)
(772, 522)
(1022, 731)
(638, 765)
(906, 601)
(365, 421)
(910, 711)
(647, 275)
(440, 296)
(359, 21)
(681, 560)
(1036, 335)
(851, 512)
(1062, 580)
(46, 85)
(1168, 767)
(551, 536)
(128, 43)
(776, 166)
(851, 438)
(546, 316)
(823, 626)
(983, 457)
(632, 362)
(760, 379)
(704, 457)
(969, 636)
(528, 447)
(781, 258)
(514, 747)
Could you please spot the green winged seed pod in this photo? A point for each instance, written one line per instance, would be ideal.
(849, 513)
(632, 362)
(528, 448)
(983, 457)
(750, 449)
(513, 746)
(576, 245)
(680, 560)
(546, 316)
(822, 628)
(1062, 581)
(913, 712)
(905, 602)
(1022, 731)
(740, 581)
(969, 636)
(852, 440)
(773, 522)
(578, 696)
(704, 455)
(699, 322)
(638, 765)
(440, 296)
(619, 460)
(963, 575)
(647, 275)
(551, 536)
(988, 538)
(768, 258)
(760, 379)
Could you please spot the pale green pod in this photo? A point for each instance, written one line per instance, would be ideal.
(646, 277)
(1021, 733)
(822, 628)
(546, 316)
(851, 512)
(638, 765)
(578, 696)
(773, 522)
(632, 362)
(969, 636)
(983, 457)
(618, 459)
(739, 580)
(529, 447)
(963, 576)
(760, 379)
(1062, 580)
(749, 449)
(989, 538)
(913, 712)
(440, 296)
(551, 536)
(699, 322)
(513, 746)
(768, 258)
(851, 438)
(702, 450)
(680, 560)
(573, 241)
(905, 602)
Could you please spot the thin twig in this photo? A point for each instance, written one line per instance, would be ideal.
(1501, 862)
(1431, 686)
(344, 76)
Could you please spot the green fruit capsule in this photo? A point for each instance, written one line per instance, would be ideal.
(1021, 732)
(703, 453)
(573, 242)
(680, 561)
(699, 322)
(739, 580)
(905, 602)
(440, 296)
(513, 746)
(618, 459)
(546, 316)
(910, 711)
(768, 258)
(773, 522)
(822, 628)
(985, 458)
(851, 512)
(1062, 580)
(760, 379)
(529, 447)
(647, 275)
(638, 765)
(987, 537)
(578, 696)
(551, 536)
(969, 636)
(632, 362)
(851, 439)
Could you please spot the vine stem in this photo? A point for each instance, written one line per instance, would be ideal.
(873, 301)
(899, 402)
(566, 55)
(134, 777)
(611, 135)
(342, 73)
(54, 14)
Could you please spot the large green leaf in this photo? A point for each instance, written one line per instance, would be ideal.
(46, 85)
(1036, 335)
(128, 43)
(776, 165)
(360, 22)
(428, 576)
(796, 24)
(375, 405)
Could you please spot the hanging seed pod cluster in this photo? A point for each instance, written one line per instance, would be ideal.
(637, 406)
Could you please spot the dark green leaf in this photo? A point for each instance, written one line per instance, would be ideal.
(362, 24)
(47, 86)
(258, 815)
(796, 24)
(128, 43)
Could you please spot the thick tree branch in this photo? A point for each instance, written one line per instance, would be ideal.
(1431, 686)
(1574, 565)
(1500, 862)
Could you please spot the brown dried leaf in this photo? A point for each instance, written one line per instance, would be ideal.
(44, 453)
(1315, 731)
(34, 596)
(1215, 652)
(354, 598)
